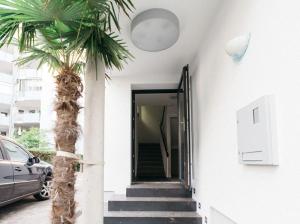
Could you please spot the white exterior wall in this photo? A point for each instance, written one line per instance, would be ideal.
(117, 168)
(248, 194)
(7, 80)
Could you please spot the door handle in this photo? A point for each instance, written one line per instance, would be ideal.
(18, 169)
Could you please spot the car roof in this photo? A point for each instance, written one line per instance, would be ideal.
(7, 138)
(12, 140)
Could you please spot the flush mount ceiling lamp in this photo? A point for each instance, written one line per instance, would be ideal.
(237, 47)
(155, 30)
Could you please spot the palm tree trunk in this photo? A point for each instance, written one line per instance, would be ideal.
(69, 88)
(94, 143)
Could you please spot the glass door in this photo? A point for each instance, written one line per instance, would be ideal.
(184, 135)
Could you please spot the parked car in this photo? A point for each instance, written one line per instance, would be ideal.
(22, 174)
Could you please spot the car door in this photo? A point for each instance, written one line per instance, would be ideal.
(6, 178)
(26, 176)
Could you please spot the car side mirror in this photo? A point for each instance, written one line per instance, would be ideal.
(30, 161)
(33, 160)
(36, 159)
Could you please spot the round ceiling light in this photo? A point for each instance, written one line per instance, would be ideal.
(155, 30)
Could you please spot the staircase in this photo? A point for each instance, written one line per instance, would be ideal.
(153, 203)
(150, 163)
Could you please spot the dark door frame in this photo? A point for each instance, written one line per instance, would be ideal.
(185, 80)
(185, 165)
(133, 108)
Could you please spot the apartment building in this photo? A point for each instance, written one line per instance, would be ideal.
(20, 94)
(26, 98)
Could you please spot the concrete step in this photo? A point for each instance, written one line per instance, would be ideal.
(153, 156)
(154, 164)
(158, 189)
(149, 145)
(144, 175)
(149, 168)
(150, 159)
(123, 203)
(152, 218)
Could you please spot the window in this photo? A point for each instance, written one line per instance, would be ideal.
(15, 152)
(29, 85)
(21, 111)
(31, 111)
(3, 133)
(4, 114)
(1, 156)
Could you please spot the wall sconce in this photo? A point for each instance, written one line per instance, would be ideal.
(237, 47)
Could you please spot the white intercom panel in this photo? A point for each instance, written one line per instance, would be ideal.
(256, 127)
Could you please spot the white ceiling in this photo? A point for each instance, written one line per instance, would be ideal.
(194, 17)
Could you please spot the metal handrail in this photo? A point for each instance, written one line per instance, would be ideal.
(162, 132)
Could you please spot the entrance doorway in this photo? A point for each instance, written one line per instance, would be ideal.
(161, 133)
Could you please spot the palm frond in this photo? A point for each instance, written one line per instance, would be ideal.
(67, 26)
(42, 56)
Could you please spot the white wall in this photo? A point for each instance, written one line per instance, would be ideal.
(117, 169)
(248, 194)
(149, 124)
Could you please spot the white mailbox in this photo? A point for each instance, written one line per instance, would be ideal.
(256, 127)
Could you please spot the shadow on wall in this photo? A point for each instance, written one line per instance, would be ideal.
(149, 122)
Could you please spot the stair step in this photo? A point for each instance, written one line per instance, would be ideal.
(150, 155)
(150, 162)
(151, 172)
(151, 159)
(152, 217)
(122, 203)
(150, 175)
(151, 168)
(158, 190)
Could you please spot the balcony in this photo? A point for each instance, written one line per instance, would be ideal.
(29, 97)
(5, 100)
(29, 73)
(27, 118)
(5, 56)
(4, 121)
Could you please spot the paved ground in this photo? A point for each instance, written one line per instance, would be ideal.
(29, 210)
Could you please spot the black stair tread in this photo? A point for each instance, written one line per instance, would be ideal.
(158, 189)
(147, 162)
(173, 199)
(158, 185)
(153, 159)
(151, 205)
(149, 144)
(150, 162)
(140, 174)
(151, 214)
(150, 169)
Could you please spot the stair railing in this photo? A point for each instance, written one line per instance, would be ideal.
(162, 133)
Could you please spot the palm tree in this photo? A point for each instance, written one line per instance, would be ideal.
(63, 34)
